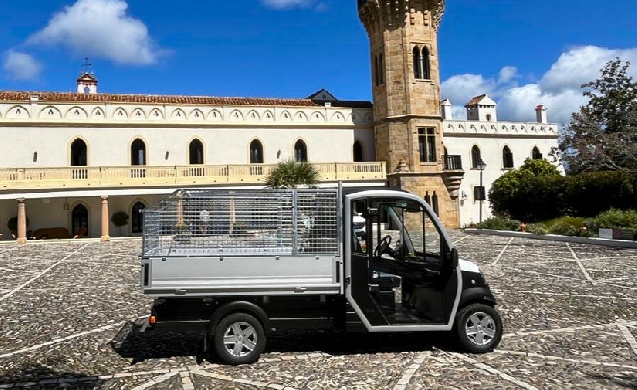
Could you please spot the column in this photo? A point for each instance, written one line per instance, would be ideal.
(22, 223)
(105, 220)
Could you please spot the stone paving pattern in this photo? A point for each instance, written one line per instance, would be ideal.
(570, 315)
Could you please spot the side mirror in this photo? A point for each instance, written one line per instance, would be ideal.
(372, 212)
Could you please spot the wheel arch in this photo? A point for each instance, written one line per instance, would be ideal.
(239, 307)
(476, 295)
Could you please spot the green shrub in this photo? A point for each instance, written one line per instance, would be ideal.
(617, 219)
(499, 223)
(537, 228)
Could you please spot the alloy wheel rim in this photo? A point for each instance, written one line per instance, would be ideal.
(480, 329)
(240, 339)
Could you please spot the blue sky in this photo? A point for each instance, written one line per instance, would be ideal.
(521, 53)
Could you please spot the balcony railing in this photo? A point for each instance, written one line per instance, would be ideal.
(453, 163)
(136, 176)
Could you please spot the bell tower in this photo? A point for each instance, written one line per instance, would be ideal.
(403, 36)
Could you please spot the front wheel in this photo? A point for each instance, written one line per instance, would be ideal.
(478, 328)
(239, 339)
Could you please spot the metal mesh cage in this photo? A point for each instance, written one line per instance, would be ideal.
(243, 222)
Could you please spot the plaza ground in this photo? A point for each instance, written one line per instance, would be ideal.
(570, 315)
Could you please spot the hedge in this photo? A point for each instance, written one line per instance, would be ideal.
(539, 198)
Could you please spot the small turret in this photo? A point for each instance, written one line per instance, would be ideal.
(87, 83)
(481, 108)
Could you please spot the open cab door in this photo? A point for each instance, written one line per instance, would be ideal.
(403, 273)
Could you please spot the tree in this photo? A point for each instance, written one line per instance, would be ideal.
(527, 193)
(119, 219)
(603, 134)
(290, 174)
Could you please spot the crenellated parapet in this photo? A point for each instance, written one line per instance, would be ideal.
(379, 15)
(123, 110)
(479, 129)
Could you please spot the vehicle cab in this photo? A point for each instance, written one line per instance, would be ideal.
(404, 273)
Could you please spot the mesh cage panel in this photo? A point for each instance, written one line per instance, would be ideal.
(242, 222)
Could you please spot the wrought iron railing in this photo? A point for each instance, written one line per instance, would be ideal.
(453, 163)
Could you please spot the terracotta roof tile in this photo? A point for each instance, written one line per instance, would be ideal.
(60, 97)
(474, 102)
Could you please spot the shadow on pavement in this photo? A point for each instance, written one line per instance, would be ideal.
(628, 381)
(37, 376)
(131, 344)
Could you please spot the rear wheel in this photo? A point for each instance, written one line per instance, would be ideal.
(478, 328)
(239, 339)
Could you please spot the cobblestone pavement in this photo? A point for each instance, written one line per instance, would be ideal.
(570, 313)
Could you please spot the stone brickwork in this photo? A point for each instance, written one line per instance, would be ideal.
(404, 101)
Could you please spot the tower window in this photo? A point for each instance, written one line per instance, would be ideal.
(535, 154)
(417, 63)
(427, 144)
(422, 68)
(426, 71)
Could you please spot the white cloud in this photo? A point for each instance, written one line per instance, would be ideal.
(99, 28)
(285, 4)
(21, 66)
(559, 89)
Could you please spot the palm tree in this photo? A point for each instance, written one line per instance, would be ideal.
(290, 174)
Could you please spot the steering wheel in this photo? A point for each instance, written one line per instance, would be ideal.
(383, 246)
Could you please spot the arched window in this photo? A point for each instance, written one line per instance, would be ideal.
(300, 151)
(138, 152)
(79, 219)
(137, 218)
(417, 63)
(358, 152)
(195, 152)
(535, 154)
(507, 158)
(256, 152)
(78, 153)
(476, 156)
(426, 69)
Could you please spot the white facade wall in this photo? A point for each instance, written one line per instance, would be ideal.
(491, 138)
(226, 132)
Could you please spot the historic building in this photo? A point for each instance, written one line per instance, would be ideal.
(69, 161)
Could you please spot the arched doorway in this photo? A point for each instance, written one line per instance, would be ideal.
(138, 157)
(137, 217)
(138, 152)
(79, 219)
(195, 152)
(195, 157)
(300, 151)
(256, 152)
(358, 152)
(78, 153)
(79, 159)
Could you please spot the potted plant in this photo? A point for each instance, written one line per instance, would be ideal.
(119, 219)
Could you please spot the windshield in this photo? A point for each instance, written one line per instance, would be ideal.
(408, 228)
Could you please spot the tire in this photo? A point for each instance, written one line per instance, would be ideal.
(239, 339)
(478, 328)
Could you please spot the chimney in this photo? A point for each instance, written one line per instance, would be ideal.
(540, 114)
(446, 110)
